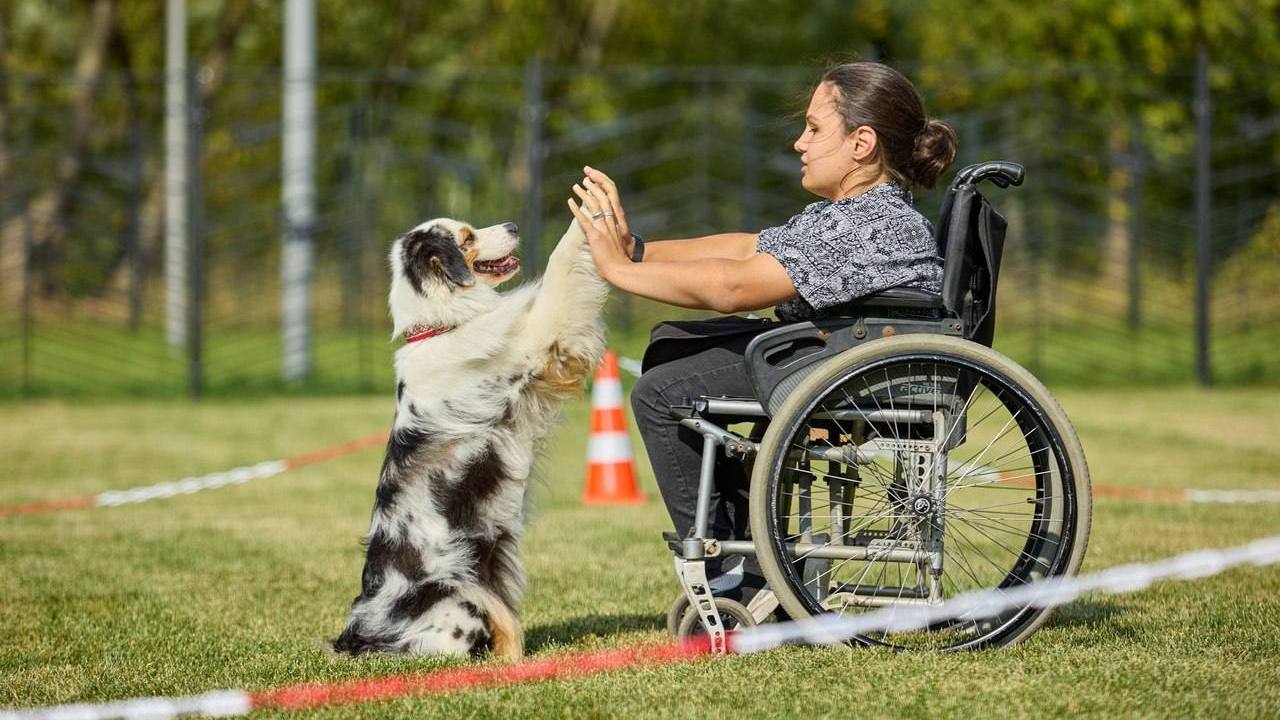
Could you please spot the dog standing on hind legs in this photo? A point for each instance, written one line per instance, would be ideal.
(479, 387)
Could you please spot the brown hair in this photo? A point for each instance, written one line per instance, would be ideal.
(914, 149)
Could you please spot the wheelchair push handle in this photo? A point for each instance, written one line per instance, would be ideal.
(1000, 172)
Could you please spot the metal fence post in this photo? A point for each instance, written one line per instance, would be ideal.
(750, 214)
(353, 234)
(298, 168)
(1137, 178)
(27, 193)
(706, 121)
(1204, 237)
(195, 240)
(133, 246)
(534, 112)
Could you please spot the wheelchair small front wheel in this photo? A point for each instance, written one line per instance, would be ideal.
(733, 614)
(679, 607)
(917, 468)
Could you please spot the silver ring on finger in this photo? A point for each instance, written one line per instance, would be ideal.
(598, 215)
(608, 214)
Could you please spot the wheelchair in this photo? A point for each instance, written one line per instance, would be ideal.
(895, 459)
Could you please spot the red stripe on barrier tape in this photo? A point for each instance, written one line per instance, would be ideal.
(1139, 493)
(314, 695)
(337, 451)
(50, 506)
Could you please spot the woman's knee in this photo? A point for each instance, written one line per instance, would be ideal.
(647, 396)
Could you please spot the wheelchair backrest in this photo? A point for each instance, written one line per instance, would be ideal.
(970, 237)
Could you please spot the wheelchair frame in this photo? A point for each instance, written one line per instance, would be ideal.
(970, 239)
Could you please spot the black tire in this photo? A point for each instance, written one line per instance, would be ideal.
(1036, 526)
(679, 606)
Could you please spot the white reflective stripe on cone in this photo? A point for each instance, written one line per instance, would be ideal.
(609, 447)
(607, 393)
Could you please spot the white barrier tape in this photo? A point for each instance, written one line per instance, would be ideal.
(219, 703)
(827, 629)
(631, 366)
(187, 486)
(832, 629)
(1232, 496)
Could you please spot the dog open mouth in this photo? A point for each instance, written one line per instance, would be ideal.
(500, 266)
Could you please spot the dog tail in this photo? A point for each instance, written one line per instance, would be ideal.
(504, 627)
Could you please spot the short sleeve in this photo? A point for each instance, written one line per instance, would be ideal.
(836, 252)
(796, 246)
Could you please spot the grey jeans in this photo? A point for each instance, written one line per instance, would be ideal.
(675, 452)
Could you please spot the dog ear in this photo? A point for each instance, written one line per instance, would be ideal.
(435, 251)
(450, 264)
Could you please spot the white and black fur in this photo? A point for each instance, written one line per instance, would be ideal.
(442, 572)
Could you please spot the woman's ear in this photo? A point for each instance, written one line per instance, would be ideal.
(865, 143)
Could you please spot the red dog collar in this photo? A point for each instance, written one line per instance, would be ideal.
(420, 333)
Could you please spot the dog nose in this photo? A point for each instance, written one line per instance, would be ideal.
(512, 228)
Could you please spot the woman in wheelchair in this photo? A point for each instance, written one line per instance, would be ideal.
(866, 144)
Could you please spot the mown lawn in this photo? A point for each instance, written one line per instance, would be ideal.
(241, 587)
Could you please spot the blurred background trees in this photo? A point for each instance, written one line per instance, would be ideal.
(425, 109)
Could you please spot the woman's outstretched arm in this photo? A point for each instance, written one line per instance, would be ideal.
(732, 246)
(737, 245)
(720, 284)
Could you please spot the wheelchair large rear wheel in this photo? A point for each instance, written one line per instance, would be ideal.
(912, 469)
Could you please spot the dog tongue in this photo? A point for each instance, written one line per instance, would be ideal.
(500, 265)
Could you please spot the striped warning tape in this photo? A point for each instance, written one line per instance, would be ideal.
(827, 629)
(200, 483)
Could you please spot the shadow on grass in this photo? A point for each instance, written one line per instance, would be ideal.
(574, 629)
(1092, 614)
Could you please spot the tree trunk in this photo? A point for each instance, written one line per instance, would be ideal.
(11, 278)
(47, 210)
(599, 23)
(212, 74)
(1116, 245)
(4, 99)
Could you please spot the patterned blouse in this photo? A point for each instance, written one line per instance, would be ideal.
(838, 251)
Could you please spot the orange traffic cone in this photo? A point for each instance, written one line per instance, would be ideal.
(611, 478)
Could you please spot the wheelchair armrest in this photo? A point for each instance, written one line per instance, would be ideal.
(779, 359)
(775, 359)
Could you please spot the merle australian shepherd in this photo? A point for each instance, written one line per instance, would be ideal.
(479, 386)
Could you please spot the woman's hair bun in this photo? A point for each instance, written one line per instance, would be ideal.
(935, 149)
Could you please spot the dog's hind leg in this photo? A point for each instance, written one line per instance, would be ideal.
(506, 634)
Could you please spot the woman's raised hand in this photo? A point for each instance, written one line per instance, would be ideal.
(602, 219)
(608, 193)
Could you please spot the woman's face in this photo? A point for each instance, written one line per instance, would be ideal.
(826, 150)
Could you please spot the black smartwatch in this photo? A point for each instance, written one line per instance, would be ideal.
(637, 250)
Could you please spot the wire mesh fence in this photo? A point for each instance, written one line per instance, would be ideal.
(1102, 281)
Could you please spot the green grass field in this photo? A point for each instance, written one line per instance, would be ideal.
(241, 587)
